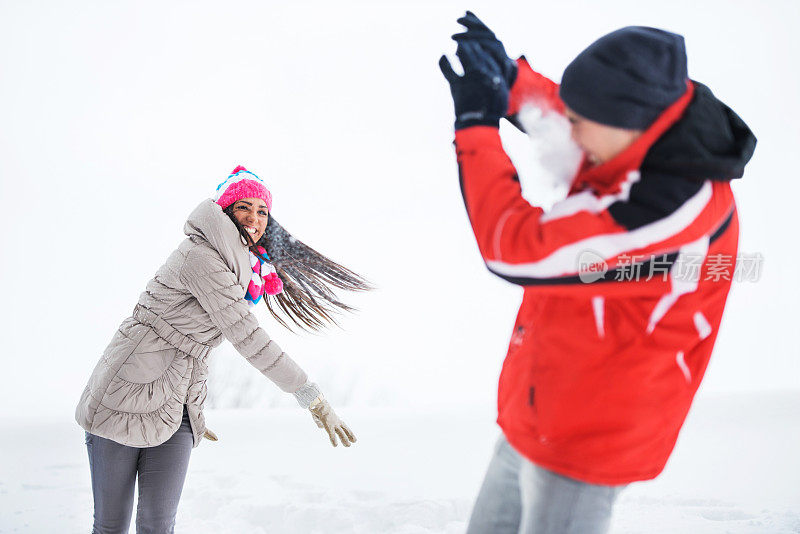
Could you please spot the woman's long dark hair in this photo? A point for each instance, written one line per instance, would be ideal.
(308, 277)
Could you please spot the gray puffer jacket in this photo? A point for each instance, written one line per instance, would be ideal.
(157, 360)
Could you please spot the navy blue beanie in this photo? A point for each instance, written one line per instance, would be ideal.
(626, 78)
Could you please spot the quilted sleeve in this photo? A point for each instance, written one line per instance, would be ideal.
(218, 291)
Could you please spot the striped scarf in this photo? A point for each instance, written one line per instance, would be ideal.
(265, 279)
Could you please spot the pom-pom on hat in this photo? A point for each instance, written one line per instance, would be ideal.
(242, 184)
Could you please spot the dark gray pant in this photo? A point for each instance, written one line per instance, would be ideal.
(519, 497)
(161, 471)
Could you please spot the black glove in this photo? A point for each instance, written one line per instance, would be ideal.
(479, 33)
(480, 96)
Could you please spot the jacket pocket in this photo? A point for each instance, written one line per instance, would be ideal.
(145, 367)
(540, 410)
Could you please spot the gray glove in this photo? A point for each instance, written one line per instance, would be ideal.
(326, 418)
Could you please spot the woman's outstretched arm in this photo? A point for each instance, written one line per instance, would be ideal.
(217, 289)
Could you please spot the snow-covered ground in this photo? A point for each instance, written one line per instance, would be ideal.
(736, 469)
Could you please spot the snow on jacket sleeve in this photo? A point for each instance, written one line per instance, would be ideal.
(528, 246)
(532, 88)
(218, 291)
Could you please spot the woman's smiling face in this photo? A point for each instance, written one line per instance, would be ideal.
(252, 214)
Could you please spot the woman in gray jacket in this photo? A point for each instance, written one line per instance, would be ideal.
(142, 409)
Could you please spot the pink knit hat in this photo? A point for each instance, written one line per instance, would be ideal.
(242, 184)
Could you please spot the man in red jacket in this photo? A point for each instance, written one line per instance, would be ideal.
(625, 280)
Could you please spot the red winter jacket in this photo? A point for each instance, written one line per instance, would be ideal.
(600, 375)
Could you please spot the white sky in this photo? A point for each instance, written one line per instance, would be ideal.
(119, 118)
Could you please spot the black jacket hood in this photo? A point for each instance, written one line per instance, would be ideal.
(710, 141)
